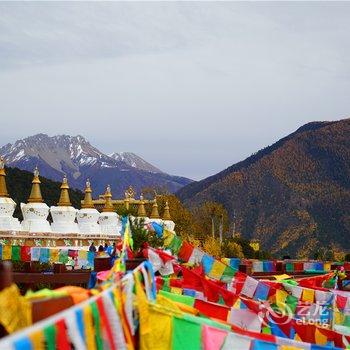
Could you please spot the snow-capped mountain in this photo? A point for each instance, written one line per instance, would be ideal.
(76, 157)
(135, 161)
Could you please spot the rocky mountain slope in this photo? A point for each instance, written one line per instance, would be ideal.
(294, 196)
(76, 157)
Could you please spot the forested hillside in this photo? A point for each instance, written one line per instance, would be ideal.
(294, 196)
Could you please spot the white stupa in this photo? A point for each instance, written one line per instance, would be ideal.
(167, 222)
(35, 212)
(88, 216)
(109, 220)
(7, 204)
(64, 214)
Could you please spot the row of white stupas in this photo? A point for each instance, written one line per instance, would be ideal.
(65, 218)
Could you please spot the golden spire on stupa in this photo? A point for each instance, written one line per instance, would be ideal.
(166, 214)
(3, 188)
(141, 211)
(64, 197)
(87, 203)
(108, 200)
(35, 193)
(154, 213)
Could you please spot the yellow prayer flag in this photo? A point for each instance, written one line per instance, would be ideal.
(290, 347)
(6, 252)
(308, 295)
(327, 266)
(281, 296)
(296, 337)
(167, 303)
(338, 317)
(54, 256)
(168, 237)
(237, 304)
(176, 290)
(281, 277)
(38, 340)
(320, 338)
(226, 261)
(217, 270)
(82, 254)
(89, 328)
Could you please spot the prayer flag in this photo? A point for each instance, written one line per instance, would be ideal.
(6, 252)
(281, 297)
(245, 319)
(16, 253)
(54, 255)
(63, 256)
(236, 341)
(207, 263)
(262, 291)
(213, 338)
(196, 257)
(186, 251)
(44, 255)
(25, 253)
(249, 287)
(186, 334)
(217, 270)
(308, 295)
(35, 253)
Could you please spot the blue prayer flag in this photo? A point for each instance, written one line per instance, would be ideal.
(262, 291)
(207, 263)
(158, 229)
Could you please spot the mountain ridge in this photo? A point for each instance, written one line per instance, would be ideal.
(78, 159)
(293, 193)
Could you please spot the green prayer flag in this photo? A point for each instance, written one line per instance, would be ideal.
(184, 299)
(289, 267)
(63, 256)
(175, 244)
(221, 300)
(207, 321)
(166, 285)
(290, 282)
(97, 323)
(50, 337)
(186, 334)
(228, 274)
(16, 253)
(266, 330)
(45, 293)
(292, 302)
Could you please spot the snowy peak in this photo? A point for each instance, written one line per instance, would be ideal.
(59, 152)
(65, 153)
(134, 161)
(79, 160)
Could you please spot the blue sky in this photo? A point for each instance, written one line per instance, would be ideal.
(191, 87)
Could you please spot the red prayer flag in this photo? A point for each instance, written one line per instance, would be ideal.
(341, 301)
(25, 253)
(105, 323)
(185, 251)
(211, 309)
(62, 341)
